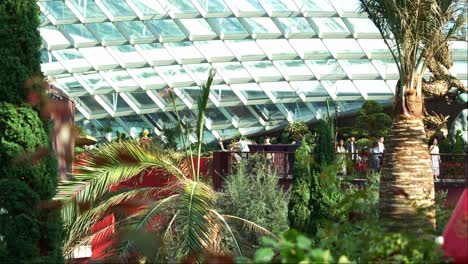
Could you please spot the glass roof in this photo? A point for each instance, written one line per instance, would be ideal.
(276, 60)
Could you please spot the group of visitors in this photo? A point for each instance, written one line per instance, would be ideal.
(350, 153)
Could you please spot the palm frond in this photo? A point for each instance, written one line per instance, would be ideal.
(253, 227)
(202, 103)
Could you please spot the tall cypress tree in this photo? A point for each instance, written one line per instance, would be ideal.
(30, 228)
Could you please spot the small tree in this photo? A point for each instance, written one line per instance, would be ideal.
(372, 121)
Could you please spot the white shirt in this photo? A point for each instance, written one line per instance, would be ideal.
(243, 146)
(381, 147)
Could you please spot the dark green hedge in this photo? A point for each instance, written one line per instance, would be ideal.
(19, 47)
(30, 227)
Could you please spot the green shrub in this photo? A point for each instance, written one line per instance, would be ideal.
(372, 121)
(324, 152)
(28, 175)
(298, 207)
(255, 194)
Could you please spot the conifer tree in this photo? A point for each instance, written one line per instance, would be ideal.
(30, 227)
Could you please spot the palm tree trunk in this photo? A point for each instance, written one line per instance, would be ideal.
(406, 184)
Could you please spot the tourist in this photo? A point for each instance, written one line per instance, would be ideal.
(434, 150)
(375, 157)
(381, 150)
(341, 157)
(352, 147)
(244, 147)
(269, 155)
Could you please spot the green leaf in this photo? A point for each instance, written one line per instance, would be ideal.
(264, 255)
(303, 242)
(268, 241)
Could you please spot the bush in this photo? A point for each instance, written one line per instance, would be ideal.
(254, 194)
(324, 152)
(372, 121)
(28, 176)
(298, 207)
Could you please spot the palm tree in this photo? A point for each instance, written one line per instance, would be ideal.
(417, 33)
(175, 221)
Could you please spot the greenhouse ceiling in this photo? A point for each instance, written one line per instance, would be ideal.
(276, 60)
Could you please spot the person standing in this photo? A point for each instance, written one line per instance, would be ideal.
(341, 157)
(375, 157)
(353, 150)
(381, 147)
(434, 150)
(244, 147)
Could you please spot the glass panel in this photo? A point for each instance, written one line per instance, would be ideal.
(246, 8)
(72, 60)
(117, 103)
(127, 56)
(217, 117)
(263, 71)
(79, 35)
(277, 49)
(341, 88)
(279, 7)
(315, 8)
(243, 114)
(299, 111)
(375, 48)
(363, 27)
(95, 83)
(197, 29)
(347, 106)
(213, 8)
(214, 51)
(175, 76)
(199, 73)
(344, 48)
(122, 80)
(294, 27)
(228, 28)
(180, 8)
(135, 123)
(261, 27)
(359, 69)
(387, 68)
(143, 99)
(70, 85)
(88, 10)
(458, 50)
(310, 48)
(459, 69)
(147, 78)
(279, 90)
(147, 9)
(373, 87)
(223, 93)
(166, 30)
(155, 54)
(116, 10)
(331, 27)
(232, 72)
(320, 109)
(59, 12)
(161, 119)
(99, 58)
(294, 70)
(184, 52)
(348, 6)
(251, 91)
(91, 104)
(245, 49)
(47, 57)
(54, 38)
(107, 33)
(326, 69)
(309, 90)
(271, 112)
(136, 31)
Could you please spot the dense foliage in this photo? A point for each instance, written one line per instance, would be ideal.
(30, 228)
(371, 121)
(28, 177)
(324, 152)
(253, 193)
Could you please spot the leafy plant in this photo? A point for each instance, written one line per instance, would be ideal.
(254, 193)
(296, 130)
(371, 121)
